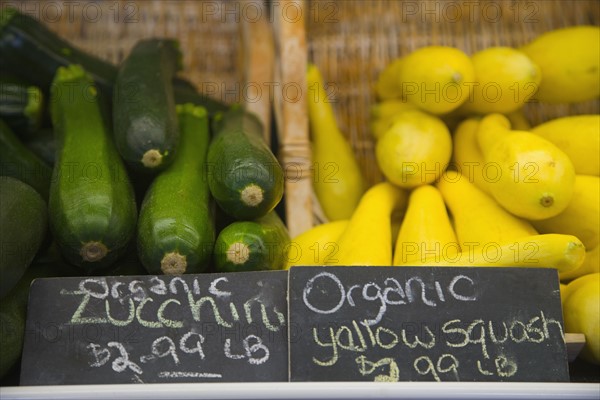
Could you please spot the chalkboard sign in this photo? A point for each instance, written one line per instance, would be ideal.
(425, 324)
(137, 329)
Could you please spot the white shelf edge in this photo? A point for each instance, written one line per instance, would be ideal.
(310, 390)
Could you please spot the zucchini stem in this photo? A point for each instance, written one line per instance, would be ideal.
(238, 253)
(93, 251)
(152, 158)
(252, 195)
(173, 264)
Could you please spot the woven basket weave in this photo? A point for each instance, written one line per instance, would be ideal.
(367, 35)
(350, 41)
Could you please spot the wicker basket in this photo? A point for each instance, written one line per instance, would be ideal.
(250, 52)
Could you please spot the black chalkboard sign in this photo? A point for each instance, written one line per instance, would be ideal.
(425, 324)
(137, 329)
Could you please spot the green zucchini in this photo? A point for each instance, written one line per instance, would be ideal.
(18, 161)
(26, 41)
(176, 224)
(12, 326)
(13, 310)
(244, 176)
(23, 227)
(144, 116)
(42, 143)
(92, 206)
(32, 52)
(21, 105)
(256, 245)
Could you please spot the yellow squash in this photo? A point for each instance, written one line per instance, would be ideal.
(387, 86)
(397, 218)
(390, 108)
(579, 137)
(496, 123)
(518, 120)
(415, 150)
(426, 229)
(581, 311)
(562, 252)
(467, 156)
(569, 59)
(316, 246)
(338, 181)
(535, 178)
(437, 79)
(368, 238)
(581, 218)
(478, 219)
(505, 79)
(591, 265)
(384, 114)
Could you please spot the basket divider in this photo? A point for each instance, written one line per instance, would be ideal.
(258, 58)
(291, 112)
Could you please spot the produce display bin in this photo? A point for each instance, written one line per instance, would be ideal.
(353, 43)
(256, 53)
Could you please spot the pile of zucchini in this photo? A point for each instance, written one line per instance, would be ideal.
(115, 170)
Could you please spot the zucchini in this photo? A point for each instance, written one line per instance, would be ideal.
(244, 176)
(26, 41)
(32, 52)
(12, 325)
(176, 224)
(92, 206)
(13, 312)
(144, 116)
(256, 245)
(18, 161)
(23, 227)
(21, 105)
